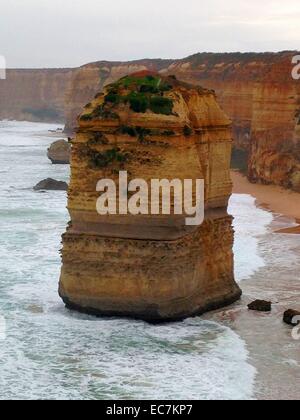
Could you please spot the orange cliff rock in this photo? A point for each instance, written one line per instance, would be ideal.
(34, 95)
(90, 79)
(150, 267)
(275, 135)
(256, 90)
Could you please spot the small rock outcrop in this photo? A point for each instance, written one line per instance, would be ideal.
(151, 267)
(260, 306)
(291, 317)
(59, 152)
(50, 184)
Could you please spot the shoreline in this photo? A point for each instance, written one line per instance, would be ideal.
(272, 350)
(271, 198)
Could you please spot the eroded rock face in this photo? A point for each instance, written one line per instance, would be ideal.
(150, 267)
(59, 152)
(256, 91)
(34, 95)
(90, 79)
(275, 135)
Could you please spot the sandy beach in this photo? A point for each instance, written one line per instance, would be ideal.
(272, 350)
(271, 197)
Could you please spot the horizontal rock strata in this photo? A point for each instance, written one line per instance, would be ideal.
(256, 90)
(150, 267)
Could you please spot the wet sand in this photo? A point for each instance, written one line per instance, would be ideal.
(272, 350)
(272, 198)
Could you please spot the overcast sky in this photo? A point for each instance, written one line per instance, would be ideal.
(68, 33)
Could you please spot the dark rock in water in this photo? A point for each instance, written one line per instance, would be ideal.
(51, 185)
(261, 306)
(59, 152)
(291, 317)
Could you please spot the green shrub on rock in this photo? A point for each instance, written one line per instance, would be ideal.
(161, 105)
(138, 102)
(103, 159)
(112, 98)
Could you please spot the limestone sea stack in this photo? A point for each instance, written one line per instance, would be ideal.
(151, 267)
(59, 152)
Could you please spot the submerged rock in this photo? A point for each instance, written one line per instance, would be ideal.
(51, 184)
(152, 267)
(59, 152)
(291, 317)
(35, 309)
(260, 306)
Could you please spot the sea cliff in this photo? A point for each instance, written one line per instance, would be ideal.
(256, 90)
(34, 94)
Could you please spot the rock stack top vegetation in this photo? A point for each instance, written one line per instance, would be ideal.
(140, 92)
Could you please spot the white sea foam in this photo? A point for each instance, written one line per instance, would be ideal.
(53, 353)
(250, 223)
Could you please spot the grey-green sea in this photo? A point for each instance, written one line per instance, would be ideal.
(48, 352)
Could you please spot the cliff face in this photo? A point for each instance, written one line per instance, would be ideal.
(233, 77)
(256, 91)
(90, 79)
(275, 136)
(259, 94)
(152, 267)
(34, 95)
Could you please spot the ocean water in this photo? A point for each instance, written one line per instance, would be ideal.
(52, 353)
(250, 224)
